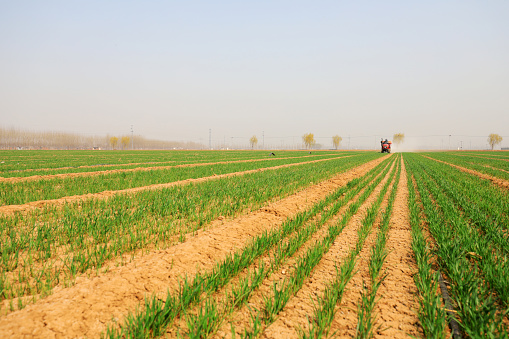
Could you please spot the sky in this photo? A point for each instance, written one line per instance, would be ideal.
(437, 71)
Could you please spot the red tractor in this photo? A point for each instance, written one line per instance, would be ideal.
(386, 146)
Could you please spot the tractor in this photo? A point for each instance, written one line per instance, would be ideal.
(386, 146)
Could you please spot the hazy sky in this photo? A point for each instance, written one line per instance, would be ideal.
(175, 69)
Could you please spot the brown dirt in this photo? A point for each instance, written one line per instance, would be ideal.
(397, 308)
(138, 169)
(85, 308)
(296, 313)
(497, 181)
(300, 306)
(11, 209)
(346, 319)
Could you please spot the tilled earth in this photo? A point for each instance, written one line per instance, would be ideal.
(93, 303)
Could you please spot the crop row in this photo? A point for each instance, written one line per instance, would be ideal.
(467, 220)
(495, 167)
(74, 162)
(16, 193)
(51, 246)
(485, 154)
(157, 314)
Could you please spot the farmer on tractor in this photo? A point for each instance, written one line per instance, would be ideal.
(386, 146)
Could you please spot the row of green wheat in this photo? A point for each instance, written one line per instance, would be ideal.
(49, 247)
(29, 163)
(496, 167)
(16, 193)
(469, 247)
(326, 305)
(156, 315)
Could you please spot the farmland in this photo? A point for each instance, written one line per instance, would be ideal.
(213, 244)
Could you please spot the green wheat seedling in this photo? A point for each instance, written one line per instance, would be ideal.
(325, 305)
(87, 235)
(366, 317)
(17, 193)
(274, 303)
(288, 248)
(477, 309)
(231, 266)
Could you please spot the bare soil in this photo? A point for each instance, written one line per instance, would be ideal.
(84, 309)
(11, 209)
(398, 306)
(294, 316)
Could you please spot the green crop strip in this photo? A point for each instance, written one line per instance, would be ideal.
(85, 170)
(486, 206)
(16, 193)
(325, 307)
(204, 323)
(493, 167)
(157, 315)
(281, 294)
(366, 317)
(28, 163)
(51, 246)
(493, 263)
(431, 313)
(472, 281)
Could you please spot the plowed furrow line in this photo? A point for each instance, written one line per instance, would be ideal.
(273, 263)
(138, 169)
(85, 308)
(346, 318)
(397, 307)
(497, 181)
(11, 209)
(208, 317)
(241, 319)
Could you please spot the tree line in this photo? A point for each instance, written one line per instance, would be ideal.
(15, 138)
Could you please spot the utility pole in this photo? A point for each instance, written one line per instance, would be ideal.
(263, 137)
(210, 138)
(132, 138)
(449, 142)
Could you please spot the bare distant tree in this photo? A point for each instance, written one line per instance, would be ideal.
(309, 140)
(253, 141)
(494, 139)
(125, 142)
(13, 138)
(398, 138)
(113, 142)
(336, 140)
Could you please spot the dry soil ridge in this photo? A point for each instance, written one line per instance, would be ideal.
(345, 320)
(300, 305)
(11, 209)
(398, 305)
(85, 308)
